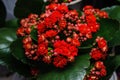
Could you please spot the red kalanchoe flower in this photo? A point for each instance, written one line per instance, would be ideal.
(20, 31)
(52, 6)
(102, 44)
(87, 7)
(62, 8)
(99, 65)
(103, 72)
(50, 33)
(85, 30)
(73, 13)
(75, 42)
(91, 19)
(41, 28)
(96, 54)
(65, 49)
(42, 49)
(94, 27)
(41, 38)
(62, 24)
(60, 61)
(47, 59)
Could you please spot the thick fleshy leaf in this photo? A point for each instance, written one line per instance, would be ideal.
(116, 39)
(34, 34)
(26, 7)
(12, 23)
(2, 14)
(74, 71)
(114, 12)
(111, 63)
(13, 64)
(107, 28)
(7, 36)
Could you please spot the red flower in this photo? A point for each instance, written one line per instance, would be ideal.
(96, 54)
(63, 8)
(41, 28)
(47, 59)
(50, 33)
(102, 43)
(94, 27)
(75, 42)
(87, 7)
(103, 72)
(65, 49)
(20, 31)
(91, 19)
(84, 29)
(73, 13)
(48, 22)
(42, 49)
(52, 19)
(52, 6)
(99, 65)
(41, 38)
(60, 61)
(59, 43)
(56, 15)
(62, 24)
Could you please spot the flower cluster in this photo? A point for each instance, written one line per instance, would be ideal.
(98, 55)
(60, 32)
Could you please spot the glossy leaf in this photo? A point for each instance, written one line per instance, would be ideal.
(12, 23)
(74, 71)
(107, 28)
(116, 39)
(14, 65)
(7, 36)
(34, 34)
(26, 7)
(114, 12)
(2, 14)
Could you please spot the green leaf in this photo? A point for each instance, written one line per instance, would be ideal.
(107, 28)
(34, 34)
(2, 14)
(111, 63)
(14, 65)
(114, 12)
(118, 0)
(116, 39)
(12, 23)
(26, 7)
(74, 71)
(7, 36)
(19, 53)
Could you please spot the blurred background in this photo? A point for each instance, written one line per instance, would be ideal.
(7, 13)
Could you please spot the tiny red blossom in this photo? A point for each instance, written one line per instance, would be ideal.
(60, 61)
(96, 54)
(42, 49)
